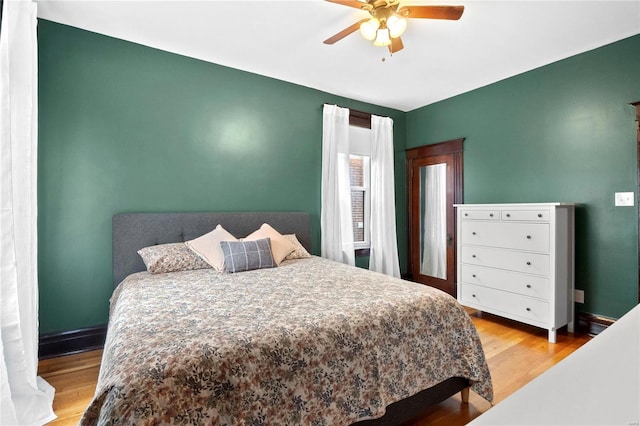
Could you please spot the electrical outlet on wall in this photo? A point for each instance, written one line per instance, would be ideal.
(578, 296)
(624, 199)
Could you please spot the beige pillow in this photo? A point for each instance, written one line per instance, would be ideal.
(208, 247)
(280, 246)
(299, 252)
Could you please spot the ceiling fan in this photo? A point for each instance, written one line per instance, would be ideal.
(388, 20)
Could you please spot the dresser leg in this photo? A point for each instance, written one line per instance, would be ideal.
(552, 336)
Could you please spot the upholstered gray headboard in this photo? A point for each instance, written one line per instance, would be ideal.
(133, 231)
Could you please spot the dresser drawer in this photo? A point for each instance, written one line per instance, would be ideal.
(505, 303)
(526, 215)
(529, 263)
(519, 236)
(479, 214)
(515, 282)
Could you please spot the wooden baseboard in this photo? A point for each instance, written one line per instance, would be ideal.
(71, 342)
(593, 324)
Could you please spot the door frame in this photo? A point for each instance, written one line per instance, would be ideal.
(454, 147)
(637, 106)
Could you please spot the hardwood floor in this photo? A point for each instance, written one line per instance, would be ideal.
(516, 354)
(74, 377)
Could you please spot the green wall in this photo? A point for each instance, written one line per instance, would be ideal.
(563, 132)
(126, 128)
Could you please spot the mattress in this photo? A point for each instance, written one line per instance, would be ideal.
(309, 342)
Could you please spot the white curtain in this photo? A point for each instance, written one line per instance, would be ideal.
(25, 398)
(335, 217)
(384, 245)
(434, 238)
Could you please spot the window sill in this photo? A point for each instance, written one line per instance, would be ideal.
(362, 252)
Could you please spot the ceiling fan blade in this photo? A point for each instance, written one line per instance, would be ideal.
(432, 12)
(342, 34)
(351, 3)
(396, 45)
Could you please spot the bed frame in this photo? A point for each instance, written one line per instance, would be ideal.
(133, 231)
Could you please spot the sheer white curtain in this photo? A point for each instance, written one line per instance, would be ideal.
(335, 216)
(434, 238)
(25, 398)
(384, 245)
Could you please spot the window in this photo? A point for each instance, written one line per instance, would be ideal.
(360, 199)
(359, 167)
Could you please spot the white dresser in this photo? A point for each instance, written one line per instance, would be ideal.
(517, 261)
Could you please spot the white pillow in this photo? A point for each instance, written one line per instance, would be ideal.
(208, 247)
(280, 246)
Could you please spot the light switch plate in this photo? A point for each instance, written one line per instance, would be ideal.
(624, 199)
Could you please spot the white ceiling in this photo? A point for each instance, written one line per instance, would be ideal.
(283, 39)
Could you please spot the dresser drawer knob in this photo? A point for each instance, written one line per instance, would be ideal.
(490, 214)
(473, 255)
(474, 275)
(528, 263)
(539, 214)
(466, 214)
(528, 285)
(473, 295)
(508, 215)
(528, 309)
(473, 233)
(528, 237)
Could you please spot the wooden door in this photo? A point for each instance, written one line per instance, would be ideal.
(434, 185)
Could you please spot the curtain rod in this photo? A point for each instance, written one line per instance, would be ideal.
(357, 118)
(354, 111)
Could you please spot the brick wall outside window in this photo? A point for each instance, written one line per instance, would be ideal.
(356, 169)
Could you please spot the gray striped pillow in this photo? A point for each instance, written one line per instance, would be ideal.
(247, 255)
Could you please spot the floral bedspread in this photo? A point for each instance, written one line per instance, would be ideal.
(310, 342)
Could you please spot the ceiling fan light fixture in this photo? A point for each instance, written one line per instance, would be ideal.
(396, 25)
(369, 28)
(387, 20)
(382, 37)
